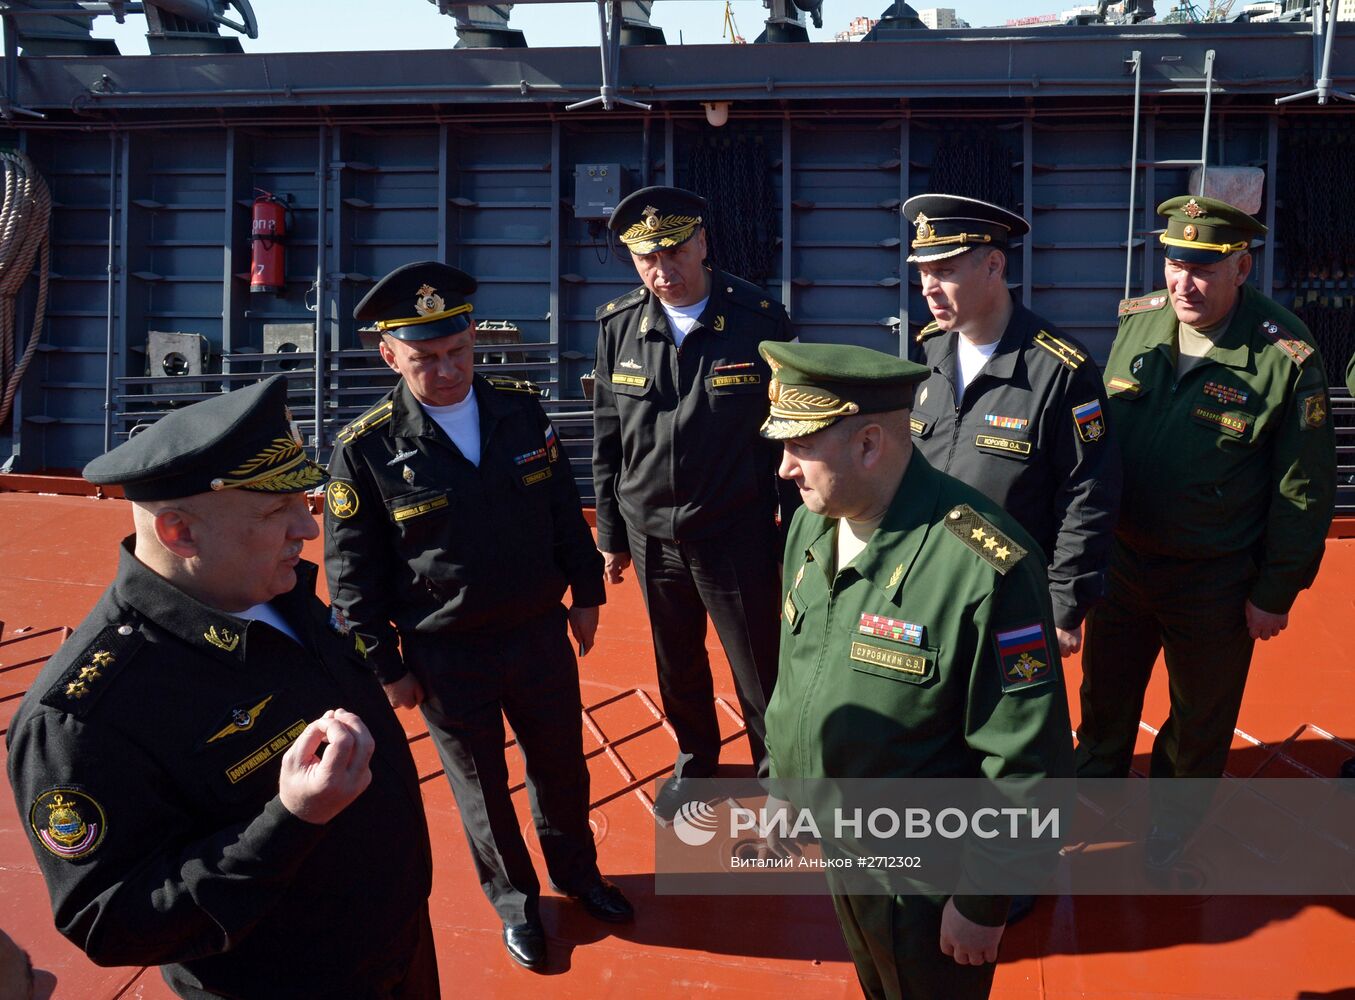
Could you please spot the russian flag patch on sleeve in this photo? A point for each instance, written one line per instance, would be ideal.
(1023, 657)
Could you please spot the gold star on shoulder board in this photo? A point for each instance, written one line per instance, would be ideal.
(1003, 552)
(765, 304)
(990, 542)
(978, 534)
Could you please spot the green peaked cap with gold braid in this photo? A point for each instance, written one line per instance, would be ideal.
(815, 385)
(238, 440)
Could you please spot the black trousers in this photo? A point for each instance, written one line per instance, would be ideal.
(732, 577)
(530, 676)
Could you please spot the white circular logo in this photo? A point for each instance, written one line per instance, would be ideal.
(695, 824)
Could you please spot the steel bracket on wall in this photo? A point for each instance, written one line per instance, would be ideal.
(609, 42)
(1322, 72)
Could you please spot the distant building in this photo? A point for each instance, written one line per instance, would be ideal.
(938, 18)
(857, 29)
(1033, 19)
(1346, 12)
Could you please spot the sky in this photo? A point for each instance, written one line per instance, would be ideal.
(375, 25)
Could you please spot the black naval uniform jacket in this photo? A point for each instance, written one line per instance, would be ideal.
(419, 540)
(676, 450)
(145, 763)
(1031, 434)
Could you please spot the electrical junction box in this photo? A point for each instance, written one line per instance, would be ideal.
(598, 187)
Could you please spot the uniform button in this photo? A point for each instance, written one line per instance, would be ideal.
(955, 515)
(729, 290)
(125, 630)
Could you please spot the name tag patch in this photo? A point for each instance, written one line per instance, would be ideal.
(893, 659)
(621, 378)
(1227, 421)
(415, 510)
(720, 381)
(994, 443)
(531, 479)
(278, 744)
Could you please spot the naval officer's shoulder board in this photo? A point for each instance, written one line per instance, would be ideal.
(930, 330)
(90, 672)
(519, 386)
(368, 422)
(621, 303)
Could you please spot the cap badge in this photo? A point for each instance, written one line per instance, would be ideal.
(924, 227)
(1189, 232)
(651, 218)
(719, 324)
(1193, 209)
(429, 301)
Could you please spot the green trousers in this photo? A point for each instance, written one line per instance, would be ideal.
(895, 942)
(1194, 612)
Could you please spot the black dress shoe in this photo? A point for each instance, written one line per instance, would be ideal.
(526, 943)
(604, 901)
(676, 793)
(1163, 848)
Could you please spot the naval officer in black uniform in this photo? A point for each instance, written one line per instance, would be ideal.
(685, 486)
(210, 778)
(452, 531)
(1013, 407)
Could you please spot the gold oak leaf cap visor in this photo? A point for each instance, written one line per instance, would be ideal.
(655, 219)
(815, 385)
(243, 439)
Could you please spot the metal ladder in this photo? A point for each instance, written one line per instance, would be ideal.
(1152, 164)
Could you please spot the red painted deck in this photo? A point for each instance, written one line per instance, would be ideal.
(59, 552)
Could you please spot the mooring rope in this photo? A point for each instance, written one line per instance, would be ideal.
(25, 235)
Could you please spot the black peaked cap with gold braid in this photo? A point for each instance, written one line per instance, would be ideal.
(657, 218)
(815, 385)
(945, 225)
(238, 440)
(421, 301)
(1205, 230)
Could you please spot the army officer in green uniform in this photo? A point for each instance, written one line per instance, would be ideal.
(917, 640)
(1218, 398)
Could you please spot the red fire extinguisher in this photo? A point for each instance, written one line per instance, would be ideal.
(268, 231)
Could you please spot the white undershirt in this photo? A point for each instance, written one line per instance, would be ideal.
(682, 319)
(970, 359)
(461, 423)
(853, 537)
(267, 613)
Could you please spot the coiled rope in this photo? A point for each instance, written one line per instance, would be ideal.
(25, 235)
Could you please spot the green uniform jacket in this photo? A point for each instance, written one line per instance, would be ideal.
(932, 655)
(1239, 455)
